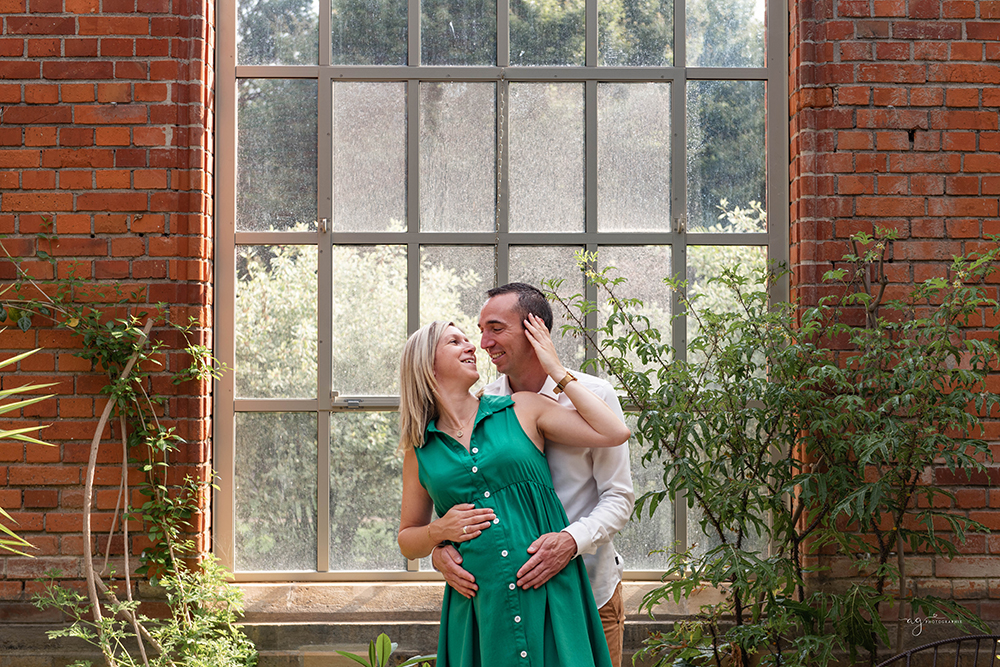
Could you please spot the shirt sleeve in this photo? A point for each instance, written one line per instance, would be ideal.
(616, 497)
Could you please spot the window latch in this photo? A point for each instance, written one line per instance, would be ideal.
(324, 225)
(680, 224)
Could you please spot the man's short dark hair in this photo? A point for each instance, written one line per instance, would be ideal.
(529, 300)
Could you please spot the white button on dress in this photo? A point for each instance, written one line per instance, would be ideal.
(475, 469)
(511, 586)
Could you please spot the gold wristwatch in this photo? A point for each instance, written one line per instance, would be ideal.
(561, 385)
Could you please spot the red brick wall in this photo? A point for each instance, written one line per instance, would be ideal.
(894, 122)
(106, 133)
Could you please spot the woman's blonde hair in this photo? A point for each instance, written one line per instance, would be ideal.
(417, 384)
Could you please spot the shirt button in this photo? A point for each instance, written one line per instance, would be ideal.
(475, 469)
(504, 553)
(517, 619)
(511, 586)
(524, 654)
(475, 450)
(486, 495)
(497, 520)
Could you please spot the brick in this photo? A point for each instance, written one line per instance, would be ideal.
(20, 159)
(131, 70)
(964, 206)
(77, 70)
(890, 206)
(150, 179)
(106, 201)
(892, 51)
(41, 93)
(19, 70)
(110, 223)
(958, 9)
(926, 250)
(149, 136)
(113, 136)
(75, 180)
(110, 114)
(15, 201)
(955, 119)
(982, 162)
(77, 92)
(88, 157)
(937, 163)
(76, 136)
(38, 180)
(962, 185)
(151, 92)
(80, 48)
(44, 48)
(889, 96)
(113, 25)
(962, 97)
(982, 31)
(112, 47)
(114, 179)
(947, 30)
(118, 93)
(43, 475)
(886, 8)
(877, 72)
(37, 115)
(963, 73)
(38, 25)
(41, 136)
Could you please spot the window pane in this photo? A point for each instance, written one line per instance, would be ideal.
(648, 533)
(546, 157)
(458, 32)
(276, 159)
(725, 150)
(369, 157)
(707, 262)
(275, 322)
(532, 265)
(633, 157)
(369, 32)
(725, 33)
(273, 32)
(369, 318)
(366, 491)
(644, 268)
(635, 33)
(453, 284)
(547, 33)
(275, 491)
(457, 157)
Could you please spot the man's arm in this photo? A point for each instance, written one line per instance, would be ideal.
(616, 498)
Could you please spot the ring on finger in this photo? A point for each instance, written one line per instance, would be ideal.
(465, 530)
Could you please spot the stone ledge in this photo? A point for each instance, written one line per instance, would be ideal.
(358, 602)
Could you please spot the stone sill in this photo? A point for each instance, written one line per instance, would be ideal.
(419, 601)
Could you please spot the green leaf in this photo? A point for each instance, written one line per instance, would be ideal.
(355, 658)
(24, 323)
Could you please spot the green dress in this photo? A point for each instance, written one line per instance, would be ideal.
(557, 625)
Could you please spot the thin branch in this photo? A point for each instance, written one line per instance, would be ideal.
(88, 493)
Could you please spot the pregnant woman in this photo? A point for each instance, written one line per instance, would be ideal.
(480, 464)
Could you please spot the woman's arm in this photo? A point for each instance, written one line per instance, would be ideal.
(591, 424)
(418, 535)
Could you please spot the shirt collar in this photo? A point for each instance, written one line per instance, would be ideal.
(487, 406)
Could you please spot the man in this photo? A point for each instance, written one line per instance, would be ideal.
(594, 485)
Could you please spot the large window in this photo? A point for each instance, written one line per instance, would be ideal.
(381, 163)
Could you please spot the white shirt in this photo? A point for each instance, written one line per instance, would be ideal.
(595, 487)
